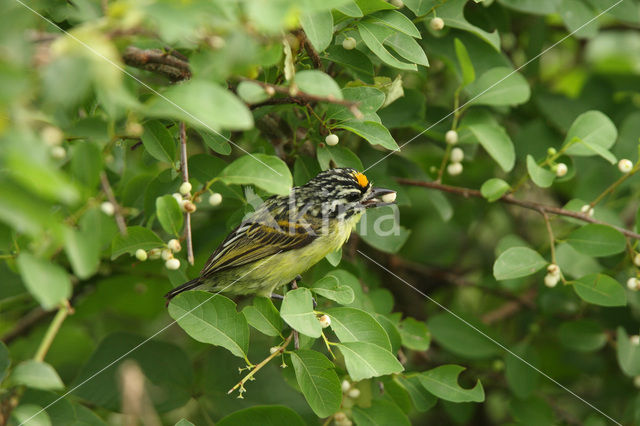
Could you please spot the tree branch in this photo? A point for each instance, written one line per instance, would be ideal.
(168, 63)
(510, 199)
(315, 58)
(184, 168)
(302, 98)
(117, 210)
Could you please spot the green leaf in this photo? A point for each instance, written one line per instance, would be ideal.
(297, 311)
(267, 172)
(137, 238)
(167, 370)
(5, 360)
(443, 382)
(415, 334)
(396, 21)
(183, 422)
(356, 62)
(420, 7)
(318, 381)
(318, 27)
(594, 134)
(334, 258)
(493, 138)
(575, 15)
(219, 142)
(251, 93)
(317, 83)
(36, 375)
(521, 378)
(532, 411)
(380, 413)
(452, 12)
(86, 163)
(457, 337)
(204, 105)
(371, 6)
(83, 250)
(575, 264)
(32, 414)
(329, 287)
(499, 86)
(517, 262)
(369, 101)
(338, 156)
(263, 316)
(47, 282)
(158, 142)
(355, 325)
(365, 360)
(205, 167)
(466, 66)
(494, 189)
(422, 399)
(350, 9)
(540, 176)
(373, 36)
(374, 133)
(597, 240)
(380, 228)
(628, 354)
(267, 415)
(408, 48)
(391, 327)
(212, 319)
(582, 335)
(169, 214)
(600, 289)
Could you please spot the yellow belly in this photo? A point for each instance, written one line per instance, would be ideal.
(277, 270)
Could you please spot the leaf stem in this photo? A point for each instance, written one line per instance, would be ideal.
(615, 184)
(53, 329)
(328, 344)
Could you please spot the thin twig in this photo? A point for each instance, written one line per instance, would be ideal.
(52, 331)
(25, 324)
(184, 168)
(117, 210)
(315, 58)
(615, 184)
(510, 199)
(552, 240)
(264, 362)
(301, 98)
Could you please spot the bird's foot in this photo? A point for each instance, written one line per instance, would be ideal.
(277, 296)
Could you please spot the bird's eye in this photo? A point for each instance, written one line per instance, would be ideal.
(353, 196)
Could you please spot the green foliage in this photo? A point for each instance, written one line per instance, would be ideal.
(543, 106)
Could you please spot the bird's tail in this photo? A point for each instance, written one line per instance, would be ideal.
(189, 285)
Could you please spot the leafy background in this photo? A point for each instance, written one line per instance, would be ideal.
(94, 115)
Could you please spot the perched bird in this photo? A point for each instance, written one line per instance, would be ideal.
(288, 234)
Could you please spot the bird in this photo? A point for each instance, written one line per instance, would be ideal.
(288, 234)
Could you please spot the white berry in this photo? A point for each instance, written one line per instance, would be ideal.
(635, 340)
(389, 198)
(215, 199)
(134, 128)
(58, 152)
(454, 169)
(397, 3)
(172, 264)
(587, 209)
(185, 188)
(353, 393)
(345, 386)
(632, 283)
(141, 255)
(174, 245)
(451, 137)
(436, 24)
(636, 381)
(325, 321)
(52, 136)
(332, 139)
(349, 43)
(457, 155)
(636, 259)
(339, 416)
(188, 206)
(270, 90)
(625, 165)
(155, 253)
(166, 254)
(553, 269)
(107, 208)
(551, 280)
(561, 169)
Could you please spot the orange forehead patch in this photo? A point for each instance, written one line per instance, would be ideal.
(362, 179)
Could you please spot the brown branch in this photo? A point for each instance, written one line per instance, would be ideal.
(302, 98)
(184, 168)
(315, 58)
(510, 308)
(168, 63)
(25, 324)
(510, 199)
(122, 226)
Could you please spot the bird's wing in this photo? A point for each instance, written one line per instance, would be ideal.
(254, 241)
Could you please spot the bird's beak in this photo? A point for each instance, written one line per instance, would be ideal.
(380, 197)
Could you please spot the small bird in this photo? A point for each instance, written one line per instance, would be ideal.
(288, 234)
